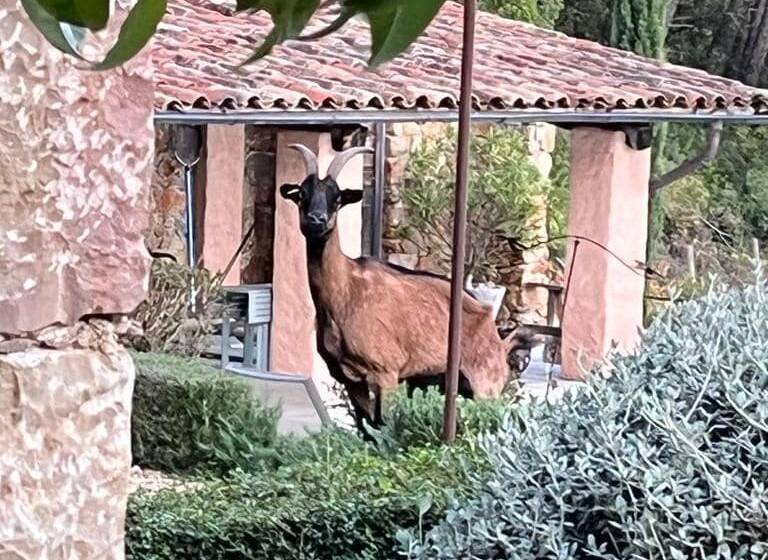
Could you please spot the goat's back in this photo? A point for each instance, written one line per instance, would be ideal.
(395, 324)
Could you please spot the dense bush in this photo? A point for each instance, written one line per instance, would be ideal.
(668, 458)
(190, 417)
(328, 494)
(501, 171)
(417, 421)
(539, 12)
(342, 505)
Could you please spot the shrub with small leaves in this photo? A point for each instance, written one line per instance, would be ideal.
(190, 417)
(418, 420)
(167, 321)
(665, 458)
(350, 506)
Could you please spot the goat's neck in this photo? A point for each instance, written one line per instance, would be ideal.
(329, 271)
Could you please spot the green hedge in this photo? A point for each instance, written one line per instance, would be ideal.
(189, 417)
(666, 459)
(353, 504)
(333, 496)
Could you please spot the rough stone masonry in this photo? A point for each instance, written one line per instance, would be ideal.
(75, 164)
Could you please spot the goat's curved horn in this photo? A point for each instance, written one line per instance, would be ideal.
(342, 159)
(310, 159)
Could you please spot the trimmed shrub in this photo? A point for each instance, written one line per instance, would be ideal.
(418, 421)
(190, 417)
(667, 458)
(341, 507)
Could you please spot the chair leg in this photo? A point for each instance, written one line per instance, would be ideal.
(248, 353)
(225, 334)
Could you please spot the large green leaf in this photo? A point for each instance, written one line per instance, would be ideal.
(395, 25)
(289, 18)
(48, 26)
(136, 31)
(92, 14)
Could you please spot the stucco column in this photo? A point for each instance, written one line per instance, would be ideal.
(293, 339)
(75, 166)
(222, 219)
(608, 205)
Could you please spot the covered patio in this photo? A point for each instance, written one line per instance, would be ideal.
(320, 93)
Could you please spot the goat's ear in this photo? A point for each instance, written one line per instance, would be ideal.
(291, 192)
(349, 196)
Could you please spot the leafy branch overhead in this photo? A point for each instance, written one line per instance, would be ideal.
(395, 24)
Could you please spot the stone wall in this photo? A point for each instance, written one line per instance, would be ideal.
(66, 445)
(75, 163)
(259, 203)
(168, 202)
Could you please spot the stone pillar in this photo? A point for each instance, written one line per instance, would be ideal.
(75, 166)
(66, 446)
(528, 304)
(222, 219)
(609, 205)
(293, 339)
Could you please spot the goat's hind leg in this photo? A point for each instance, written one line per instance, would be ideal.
(362, 406)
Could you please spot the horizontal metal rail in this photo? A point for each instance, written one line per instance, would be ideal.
(357, 116)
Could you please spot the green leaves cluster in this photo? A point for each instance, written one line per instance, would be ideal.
(394, 24)
(506, 191)
(348, 507)
(189, 417)
(50, 17)
(665, 457)
(538, 12)
(327, 495)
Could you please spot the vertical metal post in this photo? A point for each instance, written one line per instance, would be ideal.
(189, 191)
(187, 146)
(460, 222)
(379, 180)
(189, 188)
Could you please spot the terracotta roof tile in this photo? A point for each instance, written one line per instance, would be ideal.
(199, 46)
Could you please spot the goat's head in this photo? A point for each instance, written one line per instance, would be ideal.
(319, 200)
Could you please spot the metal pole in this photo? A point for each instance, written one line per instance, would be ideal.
(379, 176)
(460, 222)
(189, 189)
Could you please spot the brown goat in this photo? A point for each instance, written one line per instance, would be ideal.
(379, 325)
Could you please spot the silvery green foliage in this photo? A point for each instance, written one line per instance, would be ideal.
(666, 459)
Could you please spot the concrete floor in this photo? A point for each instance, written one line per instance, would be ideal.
(300, 416)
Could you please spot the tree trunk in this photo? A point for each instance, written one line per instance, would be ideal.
(757, 48)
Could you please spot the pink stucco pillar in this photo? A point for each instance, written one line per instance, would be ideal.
(608, 205)
(293, 324)
(222, 220)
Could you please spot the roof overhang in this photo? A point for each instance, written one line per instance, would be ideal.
(364, 116)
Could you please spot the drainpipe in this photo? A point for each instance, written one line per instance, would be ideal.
(187, 143)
